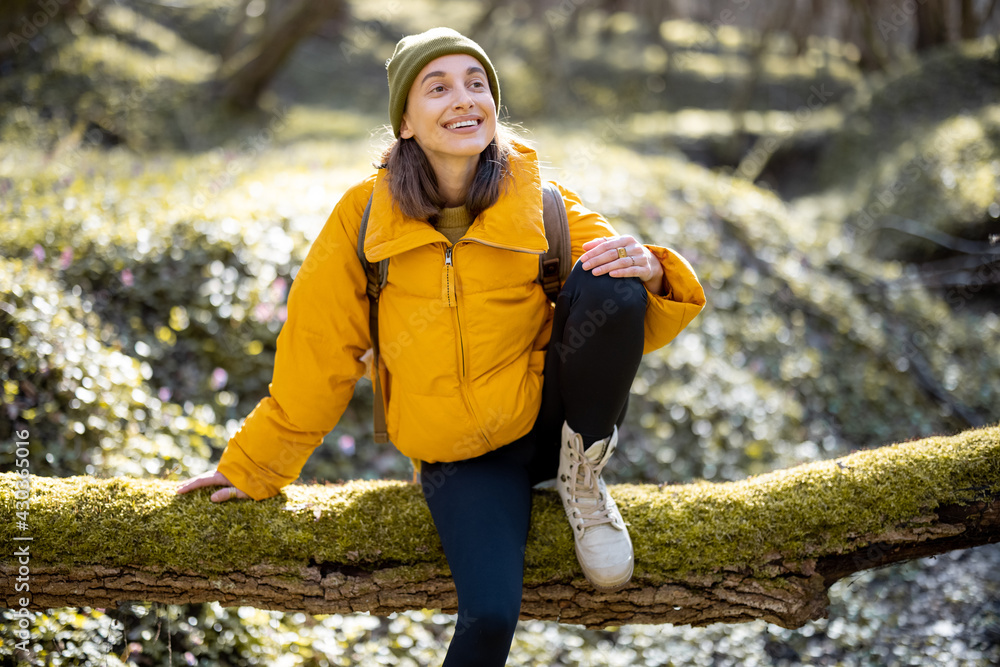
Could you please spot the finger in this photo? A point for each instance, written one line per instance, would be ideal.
(591, 243)
(608, 259)
(194, 483)
(595, 247)
(626, 272)
(228, 493)
(639, 270)
(601, 253)
(624, 267)
(215, 478)
(613, 267)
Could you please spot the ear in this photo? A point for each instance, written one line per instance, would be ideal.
(404, 129)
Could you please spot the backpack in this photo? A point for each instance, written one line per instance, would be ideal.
(553, 268)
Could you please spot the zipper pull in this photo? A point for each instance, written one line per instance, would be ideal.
(449, 292)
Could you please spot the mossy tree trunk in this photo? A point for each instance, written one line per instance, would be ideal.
(767, 547)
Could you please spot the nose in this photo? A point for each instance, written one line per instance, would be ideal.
(463, 98)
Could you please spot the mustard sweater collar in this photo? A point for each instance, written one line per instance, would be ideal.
(514, 222)
(453, 218)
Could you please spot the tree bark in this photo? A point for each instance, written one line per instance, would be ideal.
(705, 553)
(874, 54)
(970, 23)
(932, 24)
(243, 77)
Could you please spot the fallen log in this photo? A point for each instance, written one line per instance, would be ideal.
(765, 547)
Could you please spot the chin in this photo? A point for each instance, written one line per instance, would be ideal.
(469, 148)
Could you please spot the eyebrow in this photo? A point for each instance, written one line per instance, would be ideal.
(472, 69)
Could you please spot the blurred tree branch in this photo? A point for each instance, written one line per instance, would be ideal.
(243, 76)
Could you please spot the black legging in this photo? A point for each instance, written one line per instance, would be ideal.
(482, 506)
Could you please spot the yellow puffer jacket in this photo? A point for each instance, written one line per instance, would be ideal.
(463, 331)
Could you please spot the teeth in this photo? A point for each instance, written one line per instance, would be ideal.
(464, 123)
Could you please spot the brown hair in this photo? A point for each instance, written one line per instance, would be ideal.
(414, 186)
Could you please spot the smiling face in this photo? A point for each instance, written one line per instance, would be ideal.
(450, 110)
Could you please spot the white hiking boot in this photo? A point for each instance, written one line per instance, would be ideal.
(603, 546)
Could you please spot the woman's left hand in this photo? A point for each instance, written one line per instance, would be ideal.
(602, 255)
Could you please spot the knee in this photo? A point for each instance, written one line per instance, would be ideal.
(489, 623)
(620, 297)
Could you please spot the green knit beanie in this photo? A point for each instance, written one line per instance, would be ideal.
(413, 52)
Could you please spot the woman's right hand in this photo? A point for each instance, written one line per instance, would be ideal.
(215, 478)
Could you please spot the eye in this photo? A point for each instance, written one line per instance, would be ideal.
(477, 84)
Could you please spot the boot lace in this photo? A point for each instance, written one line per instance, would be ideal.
(585, 488)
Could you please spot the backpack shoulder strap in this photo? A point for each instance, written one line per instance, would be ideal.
(376, 274)
(554, 266)
(361, 233)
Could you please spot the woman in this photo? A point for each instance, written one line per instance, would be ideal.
(465, 332)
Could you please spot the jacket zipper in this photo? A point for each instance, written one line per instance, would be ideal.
(502, 247)
(451, 298)
(449, 287)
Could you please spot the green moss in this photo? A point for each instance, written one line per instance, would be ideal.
(802, 512)
(810, 510)
(143, 522)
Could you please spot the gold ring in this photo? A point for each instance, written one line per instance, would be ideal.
(621, 253)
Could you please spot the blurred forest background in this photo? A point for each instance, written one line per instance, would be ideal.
(831, 168)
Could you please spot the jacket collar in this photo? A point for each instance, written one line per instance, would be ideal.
(514, 222)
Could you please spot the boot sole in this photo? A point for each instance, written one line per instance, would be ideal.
(611, 588)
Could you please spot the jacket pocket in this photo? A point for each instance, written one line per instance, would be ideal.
(433, 428)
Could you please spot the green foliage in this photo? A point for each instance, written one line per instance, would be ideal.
(141, 288)
(922, 145)
(175, 294)
(87, 406)
(119, 78)
(140, 633)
